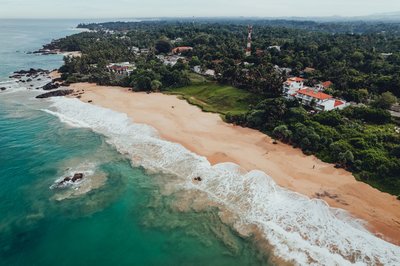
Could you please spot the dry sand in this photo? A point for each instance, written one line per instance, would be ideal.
(207, 135)
(54, 74)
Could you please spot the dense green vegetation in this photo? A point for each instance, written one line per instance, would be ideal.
(361, 59)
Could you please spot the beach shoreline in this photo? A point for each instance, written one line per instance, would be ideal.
(207, 135)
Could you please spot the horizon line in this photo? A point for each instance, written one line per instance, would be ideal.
(338, 17)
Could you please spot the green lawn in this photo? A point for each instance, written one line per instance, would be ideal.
(216, 98)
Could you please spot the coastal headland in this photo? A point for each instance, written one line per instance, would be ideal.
(208, 135)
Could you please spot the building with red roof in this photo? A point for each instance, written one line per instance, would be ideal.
(181, 49)
(123, 68)
(294, 88)
(319, 100)
(292, 85)
(309, 93)
(327, 84)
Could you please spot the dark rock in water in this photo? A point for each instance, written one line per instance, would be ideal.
(28, 80)
(50, 86)
(31, 71)
(65, 180)
(39, 79)
(3, 88)
(198, 178)
(90, 101)
(55, 94)
(77, 177)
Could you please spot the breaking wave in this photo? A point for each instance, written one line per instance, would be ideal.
(301, 230)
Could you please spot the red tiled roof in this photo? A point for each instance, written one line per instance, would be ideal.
(327, 84)
(118, 68)
(181, 49)
(295, 79)
(338, 103)
(315, 94)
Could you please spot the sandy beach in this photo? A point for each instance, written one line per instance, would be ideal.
(207, 135)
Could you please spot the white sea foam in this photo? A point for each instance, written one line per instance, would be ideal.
(305, 231)
(86, 168)
(13, 86)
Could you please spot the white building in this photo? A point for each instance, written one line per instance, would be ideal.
(281, 70)
(197, 69)
(170, 60)
(291, 86)
(294, 88)
(209, 72)
(319, 100)
(276, 47)
(177, 40)
(123, 68)
(135, 49)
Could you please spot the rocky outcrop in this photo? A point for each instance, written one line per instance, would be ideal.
(77, 177)
(44, 51)
(31, 71)
(57, 93)
(3, 88)
(51, 86)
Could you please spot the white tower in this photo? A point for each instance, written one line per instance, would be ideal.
(248, 48)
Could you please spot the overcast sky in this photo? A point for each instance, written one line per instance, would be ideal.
(188, 8)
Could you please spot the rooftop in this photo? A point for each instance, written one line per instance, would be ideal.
(327, 84)
(314, 94)
(338, 103)
(181, 49)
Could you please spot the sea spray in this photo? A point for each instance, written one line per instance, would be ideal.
(302, 230)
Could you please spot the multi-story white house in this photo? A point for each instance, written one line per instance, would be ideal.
(294, 88)
(291, 86)
(319, 100)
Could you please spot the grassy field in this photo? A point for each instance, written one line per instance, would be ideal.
(213, 97)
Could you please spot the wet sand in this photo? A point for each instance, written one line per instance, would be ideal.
(207, 135)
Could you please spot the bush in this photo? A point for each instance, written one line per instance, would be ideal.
(368, 115)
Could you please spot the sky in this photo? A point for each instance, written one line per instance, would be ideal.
(189, 8)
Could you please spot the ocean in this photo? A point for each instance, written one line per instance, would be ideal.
(139, 204)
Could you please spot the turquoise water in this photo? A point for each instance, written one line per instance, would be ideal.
(124, 221)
